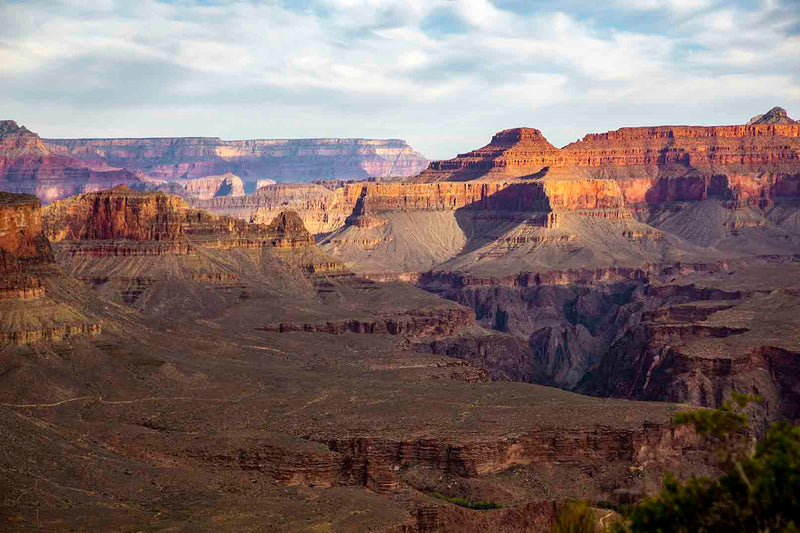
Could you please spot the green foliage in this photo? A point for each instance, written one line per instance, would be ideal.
(759, 492)
(463, 502)
(575, 518)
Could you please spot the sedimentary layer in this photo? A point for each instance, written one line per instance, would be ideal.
(28, 165)
(172, 158)
(754, 162)
(27, 312)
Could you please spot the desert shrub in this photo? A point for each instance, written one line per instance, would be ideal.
(759, 491)
(575, 517)
(463, 502)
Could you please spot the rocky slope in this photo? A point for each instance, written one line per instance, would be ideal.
(28, 313)
(229, 377)
(252, 160)
(28, 165)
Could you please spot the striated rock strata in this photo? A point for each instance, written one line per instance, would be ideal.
(123, 221)
(172, 158)
(27, 313)
(754, 162)
(23, 246)
(28, 165)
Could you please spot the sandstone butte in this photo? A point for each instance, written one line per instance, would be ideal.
(746, 164)
(173, 158)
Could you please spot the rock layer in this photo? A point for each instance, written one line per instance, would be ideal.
(28, 165)
(122, 218)
(172, 158)
(652, 164)
(27, 312)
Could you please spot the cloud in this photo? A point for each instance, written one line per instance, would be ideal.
(444, 72)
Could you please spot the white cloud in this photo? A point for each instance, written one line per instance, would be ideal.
(678, 6)
(373, 67)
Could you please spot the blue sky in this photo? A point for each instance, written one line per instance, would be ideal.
(442, 74)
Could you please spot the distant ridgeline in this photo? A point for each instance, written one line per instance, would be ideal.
(193, 167)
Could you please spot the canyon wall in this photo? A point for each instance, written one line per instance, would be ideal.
(28, 165)
(747, 165)
(324, 210)
(755, 162)
(119, 218)
(23, 247)
(28, 313)
(173, 158)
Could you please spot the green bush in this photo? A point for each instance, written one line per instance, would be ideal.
(463, 502)
(759, 491)
(575, 518)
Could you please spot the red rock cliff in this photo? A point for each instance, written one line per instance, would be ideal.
(758, 162)
(23, 246)
(125, 216)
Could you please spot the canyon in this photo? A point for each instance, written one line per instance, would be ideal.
(517, 325)
(537, 240)
(29, 166)
(196, 168)
(175, 158)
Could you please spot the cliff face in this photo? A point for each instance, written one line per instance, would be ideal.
(23, 247)
(324, 210)
(28, 165)
(21, 225)
(279, 159)
(756, 162)
(697, 351)
(28, 314)
(213, 187)
(120, 218)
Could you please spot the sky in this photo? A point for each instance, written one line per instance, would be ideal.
(442, 74)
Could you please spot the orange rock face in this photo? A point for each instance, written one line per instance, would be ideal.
(514, 152)
(20, 224)
(22, 246)
(755, 162)
(126, 222)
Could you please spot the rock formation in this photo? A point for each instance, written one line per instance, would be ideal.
(755, 162)
(776, 115)
(27, 313)
(244, 368)
(259, 159)
(122, 221)
(23, 246)
(213, 187)
(28, 165)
